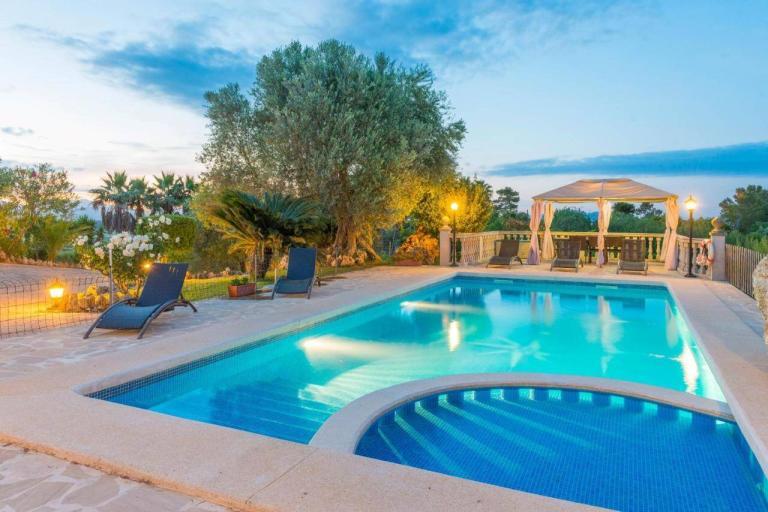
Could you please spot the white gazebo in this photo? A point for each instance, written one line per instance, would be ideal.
(603, 192)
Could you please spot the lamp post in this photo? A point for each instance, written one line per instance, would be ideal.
(454, 209)
(690, 205)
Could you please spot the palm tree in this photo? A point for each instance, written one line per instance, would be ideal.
(189, 187)
(54, 234)
(110, 198)
(168, 191)
(138, 196)
(261, 225)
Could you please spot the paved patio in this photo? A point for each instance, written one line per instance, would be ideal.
(31, 481)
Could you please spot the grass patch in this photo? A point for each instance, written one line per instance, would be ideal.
(209, 288)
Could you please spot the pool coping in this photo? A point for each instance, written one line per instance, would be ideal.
(47, 413)
(344, 429)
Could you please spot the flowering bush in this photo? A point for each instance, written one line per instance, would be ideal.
(181, 230)
(420, 247)
(130, 252)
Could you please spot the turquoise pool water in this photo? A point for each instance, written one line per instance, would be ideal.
(612, 451)
(288, 386)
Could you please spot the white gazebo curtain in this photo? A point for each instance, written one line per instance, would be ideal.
(604, 209)
(603, 192)
(669, 245)
(533, 252)
(548, 249)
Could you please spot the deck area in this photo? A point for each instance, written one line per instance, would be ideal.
(54, 361)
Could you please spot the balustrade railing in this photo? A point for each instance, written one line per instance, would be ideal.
(683, 257)
(476, 248)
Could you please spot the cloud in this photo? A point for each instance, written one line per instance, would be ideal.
(738, 160)
(457, 34)
(16, 131)
(180, 65)
(183, 72)
(189, 58)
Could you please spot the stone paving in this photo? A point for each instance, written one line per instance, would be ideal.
(31, 481)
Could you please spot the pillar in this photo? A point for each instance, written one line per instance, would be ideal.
(717, 241)
(445, 246)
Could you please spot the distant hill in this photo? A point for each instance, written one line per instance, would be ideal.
(84, 208)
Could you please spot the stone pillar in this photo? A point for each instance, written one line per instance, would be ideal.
(445, 246)
(717, 241)
(760, 290)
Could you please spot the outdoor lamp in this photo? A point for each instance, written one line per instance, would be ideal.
(454, 209)
(56, 290)
(147, 265)
(690, 205)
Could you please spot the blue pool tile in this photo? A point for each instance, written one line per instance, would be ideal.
(632, 455)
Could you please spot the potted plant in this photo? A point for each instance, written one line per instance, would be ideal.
(240, 287)
(418, 249)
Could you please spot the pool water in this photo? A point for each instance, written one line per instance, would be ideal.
(606, 450)
(287, 387)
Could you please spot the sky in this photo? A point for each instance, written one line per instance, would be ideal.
(672, 93)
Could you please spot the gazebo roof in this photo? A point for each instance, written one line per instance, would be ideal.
(620, 189)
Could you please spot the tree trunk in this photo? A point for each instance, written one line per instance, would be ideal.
(263, 264)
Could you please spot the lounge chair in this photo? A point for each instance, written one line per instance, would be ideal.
(161, 292)
(632, 257)
(568, 255)
(301, 272)
(508, 252)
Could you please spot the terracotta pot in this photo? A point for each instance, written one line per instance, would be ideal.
(408, 263)
(241, 290)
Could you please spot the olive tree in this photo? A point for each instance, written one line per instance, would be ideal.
(364, 137)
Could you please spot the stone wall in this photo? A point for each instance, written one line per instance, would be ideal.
(760, 287)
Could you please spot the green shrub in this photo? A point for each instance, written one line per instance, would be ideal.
(420, 247)
(755, 241)
(181, 230)
(211, 253)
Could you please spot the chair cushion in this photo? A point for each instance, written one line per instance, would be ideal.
(293, 285)
(126, 317)
(501, 260)
(565, 263)
(633, 265)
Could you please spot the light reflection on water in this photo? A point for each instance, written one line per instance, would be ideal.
(466, 325)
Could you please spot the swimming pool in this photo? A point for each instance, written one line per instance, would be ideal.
(601, 449)
(287, 386)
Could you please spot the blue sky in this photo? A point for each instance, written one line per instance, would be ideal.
(671, 93)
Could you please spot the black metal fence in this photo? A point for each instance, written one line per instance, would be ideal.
(740, 263)
(29, 306)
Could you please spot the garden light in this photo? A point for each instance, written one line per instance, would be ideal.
(56, 290)
(690, 203)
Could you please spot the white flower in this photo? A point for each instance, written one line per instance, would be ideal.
(110, 246)
(149, 246)
(151, 255)
(165, 236)
(130, 264)
(99, 252)
(139, 221)
(178, 239)
(168, 220)
(128, 253)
